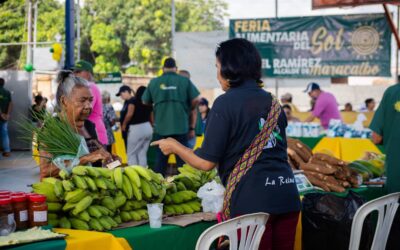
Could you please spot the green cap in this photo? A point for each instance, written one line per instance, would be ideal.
(83, 65)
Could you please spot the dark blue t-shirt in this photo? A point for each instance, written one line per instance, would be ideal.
(234, 120)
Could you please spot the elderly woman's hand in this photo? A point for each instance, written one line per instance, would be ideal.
(97, 155)
(167, 146)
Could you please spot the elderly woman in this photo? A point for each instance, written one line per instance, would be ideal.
(74, 101)
(245, 136)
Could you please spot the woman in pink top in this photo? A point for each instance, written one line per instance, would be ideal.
(84, 69)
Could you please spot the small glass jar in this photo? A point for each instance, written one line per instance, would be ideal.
(37, 211)
(6, 209)
(20, 208)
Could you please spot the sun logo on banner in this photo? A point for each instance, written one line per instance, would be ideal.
(366, 41)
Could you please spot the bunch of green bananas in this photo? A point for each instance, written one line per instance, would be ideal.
(100, 199)
(197, 178)
(180, 200)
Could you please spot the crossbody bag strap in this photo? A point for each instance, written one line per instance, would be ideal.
(251, 155)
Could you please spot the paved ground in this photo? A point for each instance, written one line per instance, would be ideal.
(18, 171)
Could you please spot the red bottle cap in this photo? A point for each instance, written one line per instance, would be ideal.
(18, 193)
(18, 198)
(5, 201)
(4, 192)
(37, 198)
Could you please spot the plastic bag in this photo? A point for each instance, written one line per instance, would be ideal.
(327, 220)
(67, 162)
(212, 197)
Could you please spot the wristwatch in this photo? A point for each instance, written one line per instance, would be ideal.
(191, 128)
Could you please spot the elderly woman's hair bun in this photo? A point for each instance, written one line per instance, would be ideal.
(67, 81)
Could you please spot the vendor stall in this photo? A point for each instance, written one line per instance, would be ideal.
(138, 238)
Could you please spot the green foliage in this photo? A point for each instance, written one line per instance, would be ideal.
(105, 43)
(11, 30)
(114, 33)
(50, 20)
(200, 15)
(135, 71)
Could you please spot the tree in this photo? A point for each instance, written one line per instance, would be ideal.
(200, 15)
(119, 35)
(13, 28)
(144, 28)
(105, 44)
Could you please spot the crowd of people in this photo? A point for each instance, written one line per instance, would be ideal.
(244, 131)
(169, 107)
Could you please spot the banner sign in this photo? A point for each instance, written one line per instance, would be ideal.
(113, 77)
(317, 4)
(319, 46)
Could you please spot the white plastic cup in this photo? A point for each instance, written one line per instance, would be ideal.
(155, 211)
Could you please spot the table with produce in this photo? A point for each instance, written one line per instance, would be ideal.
(122, 208)
(115, 201)
(333, 177)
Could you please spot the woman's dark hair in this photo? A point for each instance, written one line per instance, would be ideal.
(368, 101)
(239, 61)
(286, 106)
(139, 92)
(38, 99)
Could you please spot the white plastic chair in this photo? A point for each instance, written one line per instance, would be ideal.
(386, 207)
(253, 224)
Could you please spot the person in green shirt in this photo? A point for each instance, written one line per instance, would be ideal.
(5, 111)
(173, 97)
(195, 114)
(385, 127)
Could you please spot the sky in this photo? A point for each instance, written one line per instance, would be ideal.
(289, 8)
